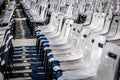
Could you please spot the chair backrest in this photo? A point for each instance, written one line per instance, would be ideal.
(113, 27)
(82, 6)
(90, 5)
(90, 50)
(69, 11)
(81, 42)
(51, 7)
(64, 27)
(108, 67)
(97, 49)
(96, 19)
(32, 5)
(99, 6)
(117, 36)
(107, 24)
(59, 25)
(37, 8)
(74, 34)
(75, 12)
(43, 13)
(100, 22)
(33, 8)
(107, 6)
(53, 18)
(88, 44)
(55, 21)
(88, 19)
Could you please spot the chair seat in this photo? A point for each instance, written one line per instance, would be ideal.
(84, 72)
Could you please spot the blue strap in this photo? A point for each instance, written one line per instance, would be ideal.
(43, 42)
(42, 38)
(59, 73)
(37, 30)
(50, 56)
(55, 63)
(46, 45)
(37, 34)
(48, 51)
(40, 35)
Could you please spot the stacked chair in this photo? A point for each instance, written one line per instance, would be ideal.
(6, 47)
(81, 40)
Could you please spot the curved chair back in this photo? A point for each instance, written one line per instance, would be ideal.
(108, 67)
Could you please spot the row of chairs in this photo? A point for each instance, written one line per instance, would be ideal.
(7, 29)
(36, 11)
(80, 47)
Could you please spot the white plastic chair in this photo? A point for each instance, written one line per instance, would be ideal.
(40, 18)
(91, 57)
(108, 67)
(113, 27)
(60, 32)
(51, 25)
(107, 23)
(66, 52)
(52, 28)
(67, 47)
